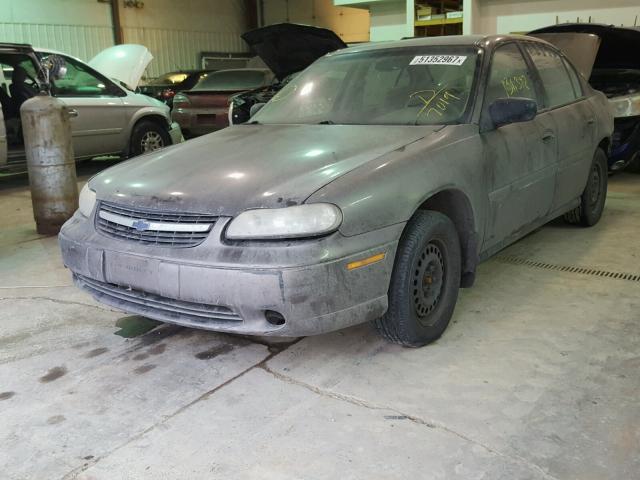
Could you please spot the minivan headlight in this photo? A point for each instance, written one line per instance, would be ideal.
(86, 201)
(298, 221)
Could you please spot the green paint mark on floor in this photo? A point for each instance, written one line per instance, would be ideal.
(135, 326)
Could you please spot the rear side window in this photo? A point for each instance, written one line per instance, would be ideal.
(573, 76)
(509, 76)
(558, 87)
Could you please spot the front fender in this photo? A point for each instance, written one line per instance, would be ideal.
(389, 190)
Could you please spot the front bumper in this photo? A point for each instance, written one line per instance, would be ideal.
(176, 133)
(228, 288)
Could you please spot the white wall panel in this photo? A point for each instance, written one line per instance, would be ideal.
(179, 49)
(82, 41)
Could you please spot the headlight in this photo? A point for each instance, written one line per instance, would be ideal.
(230, 113)
(291, 222)
(628, 106)
(86, 201)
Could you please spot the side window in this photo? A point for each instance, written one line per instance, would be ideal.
(555, 78)
(79, 82)
(509, 76)
(573, 76)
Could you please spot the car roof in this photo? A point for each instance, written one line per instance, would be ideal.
(23, 47)
(446, 40)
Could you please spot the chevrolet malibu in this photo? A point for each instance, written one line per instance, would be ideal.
(367, 189)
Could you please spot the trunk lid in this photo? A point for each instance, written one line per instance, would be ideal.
(288, 48)
(618, 45)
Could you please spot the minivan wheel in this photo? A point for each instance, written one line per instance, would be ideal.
(148, 136)
(424, 284)
(593, 197)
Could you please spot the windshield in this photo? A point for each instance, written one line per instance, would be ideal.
(173, 78)
(230, 80)
(400, 86)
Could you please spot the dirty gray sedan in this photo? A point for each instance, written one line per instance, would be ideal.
(367, 189)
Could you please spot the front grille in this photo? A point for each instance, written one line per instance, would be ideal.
(157, 306)
(153, 227)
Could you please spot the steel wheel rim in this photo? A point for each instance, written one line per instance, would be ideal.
(595, 187)
(428, 281)
(151, 141)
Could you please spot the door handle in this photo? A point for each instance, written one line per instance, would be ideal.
(548, 136)
(72, 112)
(591, 121)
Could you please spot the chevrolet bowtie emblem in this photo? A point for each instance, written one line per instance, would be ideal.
(141, 225)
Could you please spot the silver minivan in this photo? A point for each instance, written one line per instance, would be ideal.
(108, 117)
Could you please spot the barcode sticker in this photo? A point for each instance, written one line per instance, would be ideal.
(438, 60)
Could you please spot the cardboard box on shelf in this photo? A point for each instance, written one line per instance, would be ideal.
(423, 11)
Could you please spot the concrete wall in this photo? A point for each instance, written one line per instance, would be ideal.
(175, 31)
(351, 24)
(506, 16)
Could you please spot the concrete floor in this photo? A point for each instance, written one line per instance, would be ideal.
(537, 377)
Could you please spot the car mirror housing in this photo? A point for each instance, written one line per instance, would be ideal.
(504, 111)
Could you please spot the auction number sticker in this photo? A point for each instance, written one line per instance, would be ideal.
(438, 60)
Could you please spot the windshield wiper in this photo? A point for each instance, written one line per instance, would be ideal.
(327, 122)
(254, 122)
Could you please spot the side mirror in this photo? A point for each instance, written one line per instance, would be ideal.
(512, 110)
(255, 108)
(55, 66)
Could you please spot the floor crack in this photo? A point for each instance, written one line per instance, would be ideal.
(57, 300)
(420, 421)
(262, 364)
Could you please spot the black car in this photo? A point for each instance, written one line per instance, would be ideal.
(286, 48)
(165, 87)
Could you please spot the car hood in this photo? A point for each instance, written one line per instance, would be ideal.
(618, 45)
(287, 48)
(248, 166)
(125, 63)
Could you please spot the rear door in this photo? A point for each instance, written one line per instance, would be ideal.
(97, 112)
(521, 157)
(574, 119)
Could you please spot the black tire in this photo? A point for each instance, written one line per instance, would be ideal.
(593, 197)
(428, 254)
(148, 136)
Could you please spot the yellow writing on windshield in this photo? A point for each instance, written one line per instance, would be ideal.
(435, 102)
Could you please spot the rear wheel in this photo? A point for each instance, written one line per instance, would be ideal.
(148, 136)
(424, 283)
(593, 197)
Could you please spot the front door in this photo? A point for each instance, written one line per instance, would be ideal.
(96, 108)
(574, 119)
(521, 158)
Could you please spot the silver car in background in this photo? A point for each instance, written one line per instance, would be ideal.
(107, 116)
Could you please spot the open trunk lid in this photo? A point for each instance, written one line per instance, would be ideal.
(288, 48)
(618, 45)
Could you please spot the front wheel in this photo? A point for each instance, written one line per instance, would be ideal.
(148, 136)
(593, 197)
(424, 283)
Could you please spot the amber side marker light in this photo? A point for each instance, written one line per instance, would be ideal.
(366, 261)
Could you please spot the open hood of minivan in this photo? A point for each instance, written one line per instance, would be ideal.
(618, 45)
(288, 48)
(125, 63)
